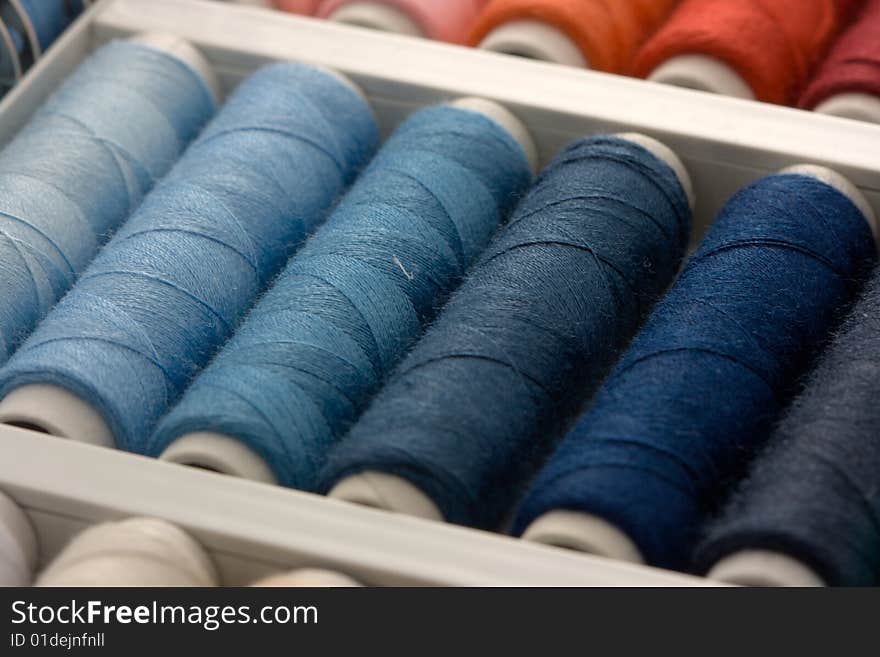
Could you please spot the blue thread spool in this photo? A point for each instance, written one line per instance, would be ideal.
(318, 345)
(171, 286)
(83, 163)
(807, 513)
(699, 389)
(463, 422)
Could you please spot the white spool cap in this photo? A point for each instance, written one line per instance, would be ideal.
(703, 73)
(662, 152)
(396, 494)
(858, 106)
(314, 578)
(378, 490)
(18, 545)
(133, 552)
(377, 16)
(764, 568)
(534, 40)
(220, 453)
(583, 532)
(505, 118)
(57, 412)
(184, 51)
(845, 187)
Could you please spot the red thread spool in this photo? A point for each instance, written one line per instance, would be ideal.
(772, 45)
(306, 7)
(606, 32)
(853, 67)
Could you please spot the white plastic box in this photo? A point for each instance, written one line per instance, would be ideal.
(255, 529)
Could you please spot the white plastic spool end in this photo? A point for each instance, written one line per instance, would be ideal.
(219, 453)
(534, 40)
(845, 187)
(377, 16)
(662, 152)
(387, 492)
(582, 532)
(858, 106)
(764, 568)
(184, 51)
(18, 545)
(308, 578)
(57, 412)
(132, 552)
(703, 73)
(506, 119)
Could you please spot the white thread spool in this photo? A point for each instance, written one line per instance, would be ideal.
(396, 494)
(315, 578)
(858, 106)
(137, 552)
(377, 16)
(52, 409)
(18, 545)
(227, 454)
(703, 73)
(588, 533)
(534, 40)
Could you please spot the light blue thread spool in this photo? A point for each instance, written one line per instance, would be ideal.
(322, 339)
(174, 282)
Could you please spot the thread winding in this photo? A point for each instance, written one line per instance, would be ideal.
(608, 33)
(854, 63)
(82, 165)
(823, 462)
(698, 391)
(320, 342)
(442, 21)
(772, 44)
(150, 311)
(529, 335)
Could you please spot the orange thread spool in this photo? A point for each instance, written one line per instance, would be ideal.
(772, 44)
(607, 32)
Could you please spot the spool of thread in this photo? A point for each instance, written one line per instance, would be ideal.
(305, 7)
(115, 354)
(308, 578)
(807, 514)
(528, 337)
(701, 386)
(596, 34)
(18, 545)
(848, 84)
(763, 49)
(442, 21)
(138, 552)
(85, 161)
(319, 344)
(47, 19)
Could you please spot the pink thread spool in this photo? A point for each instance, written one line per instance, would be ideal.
(449, 20)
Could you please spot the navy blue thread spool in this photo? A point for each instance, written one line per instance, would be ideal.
(84, 162)
(467, 416)
(688, 433)
(807, 514)
(318, 344)
(64, 207)
(168, 290)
